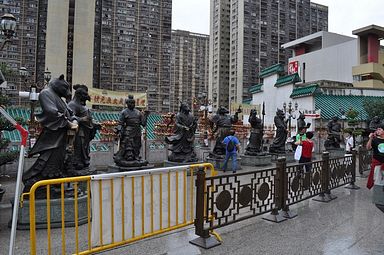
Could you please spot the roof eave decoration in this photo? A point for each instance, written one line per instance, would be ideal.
(278, 68)
(305, 91)
(288, 79)
(256, 89)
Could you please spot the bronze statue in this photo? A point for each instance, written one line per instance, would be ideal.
(182, 141)
(256, 138)
(278, 144)
(374, 123)
(56, 120)
(334, 131)
(301, 124)
(129, 129)
(222, 123)
(87, 128)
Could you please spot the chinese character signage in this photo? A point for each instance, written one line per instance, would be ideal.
(115, 98)
(293, 67)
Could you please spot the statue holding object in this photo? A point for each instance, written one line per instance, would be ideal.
(301, 124)
(56, 119)
(256, 138)
(374, 123)
(334, 132)
(222, 123)
(184, 136)
(129, 130)
(85, 133)
(278, 144)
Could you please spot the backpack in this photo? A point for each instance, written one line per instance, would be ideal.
(230, 145)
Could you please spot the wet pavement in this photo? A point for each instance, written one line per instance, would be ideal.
(350, 224)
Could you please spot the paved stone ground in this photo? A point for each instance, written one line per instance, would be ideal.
(351, 224)
(348, 225)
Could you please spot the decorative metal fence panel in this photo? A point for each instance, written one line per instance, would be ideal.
(233, 198)
(365, 158)
(303, 185)
(340, 170)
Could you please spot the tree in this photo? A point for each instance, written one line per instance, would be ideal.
(374, 107)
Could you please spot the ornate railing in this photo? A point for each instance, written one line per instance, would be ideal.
(365, 158)
(227, 199)
(236, 197)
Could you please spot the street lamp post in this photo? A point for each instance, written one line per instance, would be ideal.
(343, 117)
(290, 109)
(33, 96)
(7, 27)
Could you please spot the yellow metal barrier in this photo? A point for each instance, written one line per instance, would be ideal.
(108, 188)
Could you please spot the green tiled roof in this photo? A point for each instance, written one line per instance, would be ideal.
(288, 79)
(99, 147)
(255, 88)
(14, 136)
(152, 120)
(330, 105)
(304, 91)
(278, 68)
(247, 101)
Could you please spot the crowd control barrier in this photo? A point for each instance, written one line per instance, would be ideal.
(116, 208)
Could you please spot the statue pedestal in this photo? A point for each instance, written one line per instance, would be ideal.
(114, 168)
(289, 156)
(218, 163)
(41, 213)
(257, 160)
(336, 153)
(202, 152)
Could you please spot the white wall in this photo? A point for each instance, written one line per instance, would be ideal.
(332, 63)
(273, 97)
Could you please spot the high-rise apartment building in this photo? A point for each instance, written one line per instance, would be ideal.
(189, 73)
(133, 48)
(122, 45)
(246, 36)
(28, 46)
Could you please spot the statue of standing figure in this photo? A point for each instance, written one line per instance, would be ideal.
(85, 133)
(301, 124)
(256, 138)
(182, 141)
(374, 123)
(56, 119)
(223, 123)
(334, 131)
(278, 144)
(129, 130)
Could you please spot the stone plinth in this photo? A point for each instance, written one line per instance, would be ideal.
(256, 160)
(55, 204)
(202, 152)
(289, 156)
(218, 163)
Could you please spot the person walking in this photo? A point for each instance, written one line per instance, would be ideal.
(376, 143)
(307, 148)
(232, 146)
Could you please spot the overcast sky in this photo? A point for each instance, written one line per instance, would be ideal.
(343, 15)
